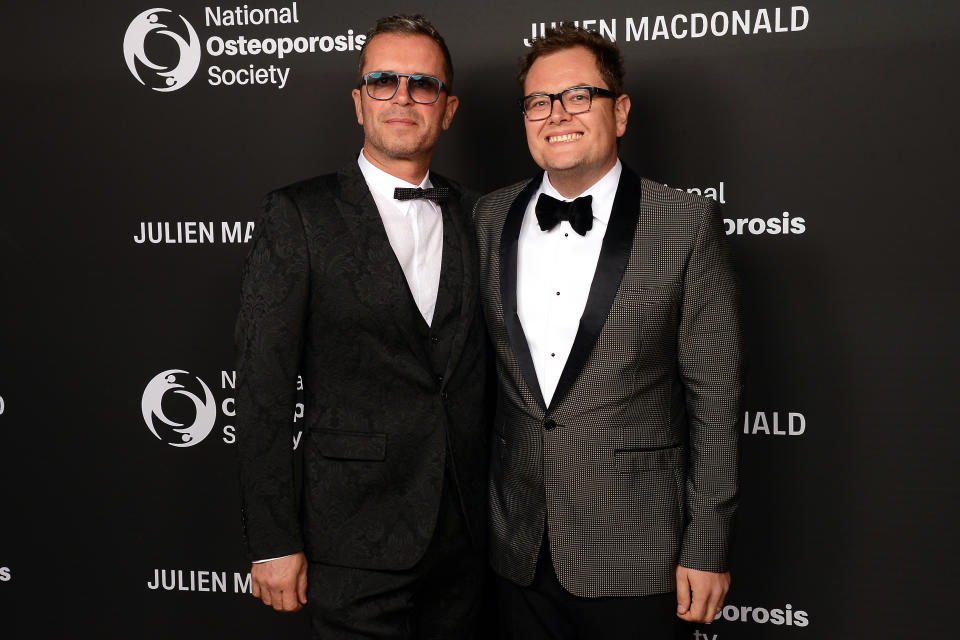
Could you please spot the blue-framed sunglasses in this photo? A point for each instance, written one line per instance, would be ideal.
(422, 89)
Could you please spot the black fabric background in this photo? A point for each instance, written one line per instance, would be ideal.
(850, 124)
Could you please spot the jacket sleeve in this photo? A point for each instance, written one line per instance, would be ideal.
(710, 366)
(269, 341)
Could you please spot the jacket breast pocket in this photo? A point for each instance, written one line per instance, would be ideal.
(659, 305)
(350, 445)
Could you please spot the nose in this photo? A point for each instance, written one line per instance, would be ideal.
(402, 96)
(557, 112)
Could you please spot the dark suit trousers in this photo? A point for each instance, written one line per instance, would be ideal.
(546, 611)
(439, 598)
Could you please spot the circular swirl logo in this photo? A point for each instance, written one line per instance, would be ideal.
(203, 413)
(148, 25)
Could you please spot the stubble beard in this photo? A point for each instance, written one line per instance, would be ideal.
(582, 171)
(572, 167)
(397, 147)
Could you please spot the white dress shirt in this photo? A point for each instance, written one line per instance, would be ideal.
(415, 231)
(554, 272)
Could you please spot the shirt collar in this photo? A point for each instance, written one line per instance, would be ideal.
(382, 183)
(603, 191)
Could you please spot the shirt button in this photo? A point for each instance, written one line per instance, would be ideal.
(558, 293)
(553, 355)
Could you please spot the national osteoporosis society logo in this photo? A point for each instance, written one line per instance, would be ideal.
(173, 60)
(174, 413)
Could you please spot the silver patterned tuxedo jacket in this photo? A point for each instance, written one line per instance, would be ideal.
(632, 468)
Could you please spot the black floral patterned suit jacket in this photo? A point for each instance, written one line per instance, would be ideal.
(324, 294)
(633, 466)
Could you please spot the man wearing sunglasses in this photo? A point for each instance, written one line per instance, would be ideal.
(365, 281)
(612, 306)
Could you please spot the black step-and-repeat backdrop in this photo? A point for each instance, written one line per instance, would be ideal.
(137, 143)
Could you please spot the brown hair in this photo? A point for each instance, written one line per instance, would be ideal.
(567, 36)
(415, 24)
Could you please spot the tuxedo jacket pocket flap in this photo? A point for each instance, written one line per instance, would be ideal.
(646, 459)
(351, 445)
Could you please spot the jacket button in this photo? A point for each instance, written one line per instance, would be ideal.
(443, 395)
(549, 425)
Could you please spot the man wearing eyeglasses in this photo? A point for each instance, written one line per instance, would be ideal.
(612, 306)
(365, 281)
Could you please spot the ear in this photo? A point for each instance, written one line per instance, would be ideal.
(452, 103)
(356, 105)
(621, 109)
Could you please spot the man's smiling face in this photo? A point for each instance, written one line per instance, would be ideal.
(577, 148)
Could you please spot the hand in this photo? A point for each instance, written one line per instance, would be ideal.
(281, 583)
(700, 594)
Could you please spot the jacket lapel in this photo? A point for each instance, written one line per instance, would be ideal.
(614, 255)
(509, 238)
(380, 277)
(469, 284)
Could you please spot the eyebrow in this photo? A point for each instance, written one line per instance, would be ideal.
(579, 84)
(415, 73)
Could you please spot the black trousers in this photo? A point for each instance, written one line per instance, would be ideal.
(546, 611)
(438, 599)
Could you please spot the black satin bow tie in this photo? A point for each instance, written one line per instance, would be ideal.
(437, 194)
(579, 213)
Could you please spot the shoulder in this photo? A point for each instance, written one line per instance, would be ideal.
(285, 210)
(502, 197)
(685, 215)
(305, 190)
(491, 209)
(302, 199)
(676, 201)
(466, 196)
(495, 205)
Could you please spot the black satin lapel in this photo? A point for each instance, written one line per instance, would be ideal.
(614, 255)
(509, 238)
(381, 276)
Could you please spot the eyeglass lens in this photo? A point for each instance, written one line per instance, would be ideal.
(575, 100)
(383, 85)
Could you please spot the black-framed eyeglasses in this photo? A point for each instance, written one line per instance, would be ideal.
(422, 89)
(539, 106)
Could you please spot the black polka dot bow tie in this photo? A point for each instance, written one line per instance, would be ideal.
(579, 213)
(437, 194)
